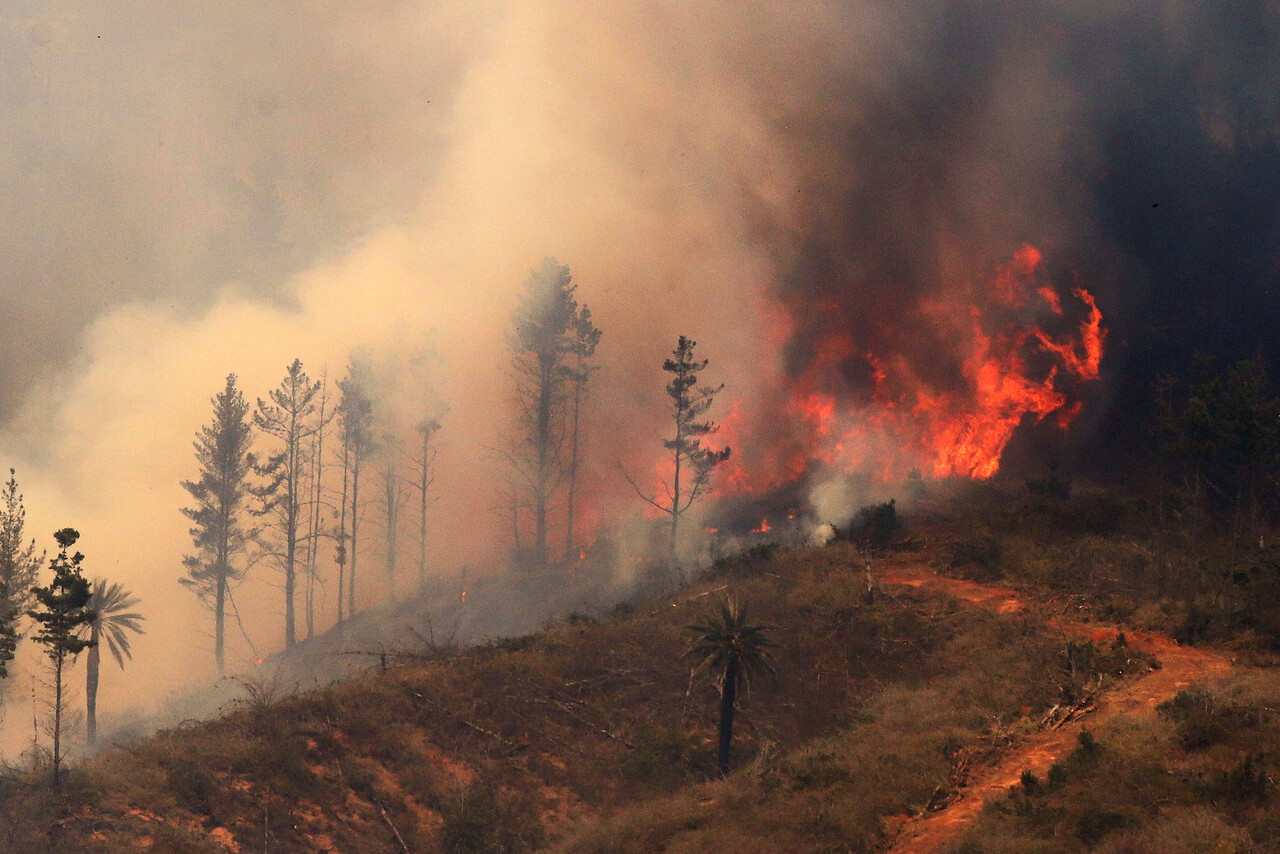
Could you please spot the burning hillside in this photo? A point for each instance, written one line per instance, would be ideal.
(997, 354)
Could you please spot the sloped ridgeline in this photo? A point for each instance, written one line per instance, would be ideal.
(591, 735)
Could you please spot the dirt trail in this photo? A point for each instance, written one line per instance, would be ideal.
(1180, 666)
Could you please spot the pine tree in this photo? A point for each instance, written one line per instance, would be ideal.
(686, 447)
(63, 611)
(19, 568)
(222, 450)
(424, 476)
(584, 340)
(288, 417)
(540, 348)
(315, 491)
(392, 503)
(692, 464)
(429, 409)
(355, 413)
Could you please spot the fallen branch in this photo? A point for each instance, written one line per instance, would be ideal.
(508, 743)
(387, 820)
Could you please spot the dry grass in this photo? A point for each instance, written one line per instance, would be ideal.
(1147, 787)
(591, 736)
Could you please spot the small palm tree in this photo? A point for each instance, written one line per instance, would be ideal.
(111, 623)
(728, 645)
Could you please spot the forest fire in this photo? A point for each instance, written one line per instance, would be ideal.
(1014, 350)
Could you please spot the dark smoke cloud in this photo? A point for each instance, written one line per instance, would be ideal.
(1135, 143)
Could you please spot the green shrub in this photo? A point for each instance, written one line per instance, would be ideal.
(1246, 784)
(1096, 823)
(1087, 747)
(480, 820)
(193, 786)
(1201, 719)
(661, 760)
(1057, 777)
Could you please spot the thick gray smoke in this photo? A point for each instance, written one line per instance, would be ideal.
(193, 191)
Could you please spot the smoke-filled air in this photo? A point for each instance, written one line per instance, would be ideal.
(914, 241)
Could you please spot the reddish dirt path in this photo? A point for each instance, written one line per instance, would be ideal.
(1180, 666)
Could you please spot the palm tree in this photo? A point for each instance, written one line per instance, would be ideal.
(731, 647)
(112, 622)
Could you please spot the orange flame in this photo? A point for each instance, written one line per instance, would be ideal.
(764, 528)
(1010, 370)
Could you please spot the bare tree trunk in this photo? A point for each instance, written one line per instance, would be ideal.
(342, 527)
(543, 486)
(292, 450)
(425, 482)
(355, 525)
(391, 506)
(57, 722)
(573, 468)
(219, 623)
(317, 502)
(675, 499)
(91, 688)
(728, 703)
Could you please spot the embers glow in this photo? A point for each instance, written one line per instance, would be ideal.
(1015, 350)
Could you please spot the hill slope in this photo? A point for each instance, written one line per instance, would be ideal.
(594, 736)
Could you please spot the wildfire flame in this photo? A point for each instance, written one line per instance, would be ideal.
(764, 528)
(1020, 356)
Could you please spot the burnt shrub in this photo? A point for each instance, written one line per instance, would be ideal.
(877, 525)
(977, 557)
(1050, 487)
(747, 564)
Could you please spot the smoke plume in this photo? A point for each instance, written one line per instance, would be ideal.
(191, 192)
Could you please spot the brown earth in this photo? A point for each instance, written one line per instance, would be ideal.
(1180, 666)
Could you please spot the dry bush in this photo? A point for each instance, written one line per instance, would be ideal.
(1143, 786)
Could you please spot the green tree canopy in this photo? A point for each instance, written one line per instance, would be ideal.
(730, 647)
(63, 611)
